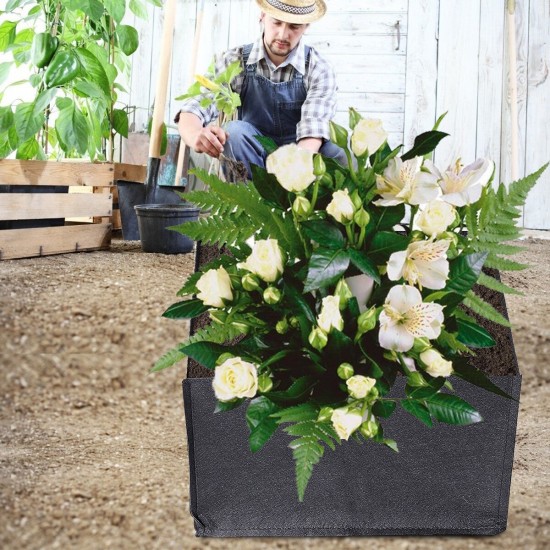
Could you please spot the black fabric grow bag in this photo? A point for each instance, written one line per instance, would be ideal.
(447, 480)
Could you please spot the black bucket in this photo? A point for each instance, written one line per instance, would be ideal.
(154, 220)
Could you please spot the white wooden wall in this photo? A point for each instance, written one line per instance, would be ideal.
(404, 61)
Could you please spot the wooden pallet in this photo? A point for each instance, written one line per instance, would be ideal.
(85, 209)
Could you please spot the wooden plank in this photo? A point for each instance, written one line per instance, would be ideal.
(457, 79)
(116, 220)
(369, 64)
(130, 172)
(393, 122)
(41, 172)
(489, 85)
(27, 243)
(358, 44)
(30, 206)
(372, 83)
(421, 70)
(536, 214)
(351, 22)
(383, 103)
(370, 7)
(523, 31)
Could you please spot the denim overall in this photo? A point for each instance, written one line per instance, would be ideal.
(271, 109)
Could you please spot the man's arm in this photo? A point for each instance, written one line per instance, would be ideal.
(202, 139)
(311, 144)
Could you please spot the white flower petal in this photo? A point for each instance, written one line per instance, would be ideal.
(396, 263)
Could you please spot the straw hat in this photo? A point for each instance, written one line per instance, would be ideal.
(294, 11)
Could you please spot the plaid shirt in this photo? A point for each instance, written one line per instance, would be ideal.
(320, 82)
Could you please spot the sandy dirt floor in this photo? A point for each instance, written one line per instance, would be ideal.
(92, 446)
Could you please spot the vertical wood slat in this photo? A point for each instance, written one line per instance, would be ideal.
(457, 79)
(422, 50)
(537, 147)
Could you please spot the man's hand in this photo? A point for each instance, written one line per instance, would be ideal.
(311, 144)
(209, 139)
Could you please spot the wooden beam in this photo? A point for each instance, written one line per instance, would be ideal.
(26, 243)
(29, 206)
(39, 172)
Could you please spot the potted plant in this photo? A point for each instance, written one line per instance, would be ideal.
(68, 62)
(294, 342)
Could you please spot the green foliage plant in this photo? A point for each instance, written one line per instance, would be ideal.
(316, 354)
(75, 53)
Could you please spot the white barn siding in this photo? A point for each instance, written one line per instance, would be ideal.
(446, 55)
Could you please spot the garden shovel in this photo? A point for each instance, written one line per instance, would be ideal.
(131, 194)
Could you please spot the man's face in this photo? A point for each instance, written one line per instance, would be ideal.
(281, 38)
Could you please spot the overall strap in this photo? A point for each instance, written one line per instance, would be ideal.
(300, 76)
(246, 54)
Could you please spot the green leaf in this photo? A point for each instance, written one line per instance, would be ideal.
(385, 243)
(307, 452)
(494, 284)
(268, 187)
(384, 409)
(205, 353)
(481, 307)
(85, 88)
(464, 272)
(138, 8)
(120, 122)
(469, 373)
(4, 71)
(325, 267)
(362, 262)
(391, 443)
(92, 8)
(186, 309)
(6, 119)
(128, 38)
(300, 388)
(72, 128)
(320, 430)
(115, 8)
(168, 360)
(504, 264)
(297, 413)
(299, 301)
(224, 406)
(324, 233)
(451, 409)
(43, 100)
(94, 71)
(27, 122)
(7, 34)
(384, 218)
(267, 143)
(423, 392)
(418, 410)
(28, 149)
(261, 425)
(474, 335)
(424, 143)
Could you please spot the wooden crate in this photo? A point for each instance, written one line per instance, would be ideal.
(93, 210)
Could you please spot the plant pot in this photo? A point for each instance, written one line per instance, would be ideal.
(447, 480)
(154, 221)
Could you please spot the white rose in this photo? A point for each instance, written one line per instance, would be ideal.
(214, 287)
(369, 135)
(341, 207)
(292, 166)
(235, 378)
(266, 260)
(436, 365)
(330, 316)
(345, 422)
(359, 386)
(435, 218)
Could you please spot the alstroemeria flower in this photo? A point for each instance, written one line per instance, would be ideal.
(424, 263)
(405, 317)
(462, 186)
(404, 182)
(292, 166)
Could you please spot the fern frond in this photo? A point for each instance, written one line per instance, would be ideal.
(320, 430)
(307, 451)
(208, 200)
(215, 332)
(169, 359)
(481, 307)
(298, 413)
(503, 264)
(494, 284)
(218, 229)
(497, 247)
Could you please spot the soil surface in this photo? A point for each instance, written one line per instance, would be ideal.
(92, 447)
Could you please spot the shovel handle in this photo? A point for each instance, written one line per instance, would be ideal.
(162, 78)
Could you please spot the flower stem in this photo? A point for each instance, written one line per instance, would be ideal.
(350, 165)
(314, 196)
(361, 239)
(350, 234)
(403, 364)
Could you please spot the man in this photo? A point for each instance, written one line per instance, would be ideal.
(288, 91)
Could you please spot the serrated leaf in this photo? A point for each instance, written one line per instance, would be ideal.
(469, 373)
(306, 452)
(205, 353)
(384, 243)
(481, 307)
(504, 264)
(384, 409)
(324, 233)
(362, 262)
(268, 187)
(261, 425)
(300, 388)
(451, 409)
(494, 284)
(474, 335)
(186, 309)
(168, 359)
(297, 413)
(464, 272)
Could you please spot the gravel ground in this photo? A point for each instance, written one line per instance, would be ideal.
(92, 446)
